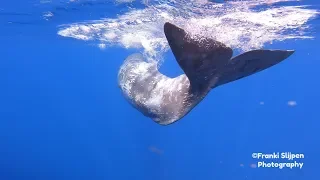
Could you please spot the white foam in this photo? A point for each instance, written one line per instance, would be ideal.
(47, 15)
(232, 23)
(124, 1)
(292, 103)
(102, 46)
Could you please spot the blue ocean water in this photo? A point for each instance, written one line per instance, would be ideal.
(62, 115)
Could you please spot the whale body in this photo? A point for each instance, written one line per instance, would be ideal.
(206, 64)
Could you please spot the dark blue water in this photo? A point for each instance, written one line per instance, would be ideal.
(62, 115)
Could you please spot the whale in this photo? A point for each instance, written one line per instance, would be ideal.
(206, 64)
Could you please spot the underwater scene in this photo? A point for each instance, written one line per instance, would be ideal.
(159, 89)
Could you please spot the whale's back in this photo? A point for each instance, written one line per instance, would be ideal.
(157, 96)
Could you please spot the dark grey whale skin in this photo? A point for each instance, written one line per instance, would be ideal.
(206, 63)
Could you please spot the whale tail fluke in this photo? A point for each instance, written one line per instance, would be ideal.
(199, 59)
(252, 62)
(204, 60)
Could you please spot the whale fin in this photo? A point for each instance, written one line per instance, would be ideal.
(199, 59)
(252, 62)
